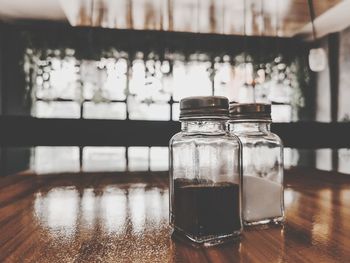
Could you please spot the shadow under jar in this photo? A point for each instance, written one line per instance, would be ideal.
(263, 200)
(205, 174)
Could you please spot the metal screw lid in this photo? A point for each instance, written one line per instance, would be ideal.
(202, 107)
(250, 111)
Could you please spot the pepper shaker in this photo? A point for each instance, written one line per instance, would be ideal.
(205, 173)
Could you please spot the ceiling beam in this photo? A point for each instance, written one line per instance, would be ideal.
(33, 9)
(333, 20)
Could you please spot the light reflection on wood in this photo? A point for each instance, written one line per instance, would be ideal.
(263, 17)
(124, 218)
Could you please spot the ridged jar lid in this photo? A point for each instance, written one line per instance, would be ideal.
(202, 107)
(250, 111)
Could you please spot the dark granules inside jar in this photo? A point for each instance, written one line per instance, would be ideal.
(203, 208)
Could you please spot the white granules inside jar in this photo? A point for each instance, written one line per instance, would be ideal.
(262, 199)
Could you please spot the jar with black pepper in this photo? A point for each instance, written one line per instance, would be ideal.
(262, 163)
(205, 174)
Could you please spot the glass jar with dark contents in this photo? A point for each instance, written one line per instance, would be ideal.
(205, 174)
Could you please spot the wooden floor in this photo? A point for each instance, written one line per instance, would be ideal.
(124, 218)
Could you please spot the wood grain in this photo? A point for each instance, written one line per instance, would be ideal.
(124, 218)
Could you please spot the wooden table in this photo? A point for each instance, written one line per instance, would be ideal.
(124, 218)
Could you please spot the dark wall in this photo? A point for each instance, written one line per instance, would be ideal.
(13, 82)
(93, 42)
(14, 159)
(12, 89)
(1, 62)
(2, 35)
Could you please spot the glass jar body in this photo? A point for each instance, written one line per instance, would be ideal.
(263, 200)
(205, 183)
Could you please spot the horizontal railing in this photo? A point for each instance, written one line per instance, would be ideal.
(29, 131)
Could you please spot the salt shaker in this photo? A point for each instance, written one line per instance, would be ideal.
(205, 174)
(262, 163)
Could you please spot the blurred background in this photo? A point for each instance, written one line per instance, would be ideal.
(95, 85)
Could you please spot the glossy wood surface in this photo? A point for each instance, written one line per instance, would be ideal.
(124, 218)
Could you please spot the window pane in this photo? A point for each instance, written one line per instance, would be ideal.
(57, 78)
(104, 159)
(224, 81)
(105, 78)
(115, 110)
(56, 109)
(262, 92)
(115, 84)
(191, 79)
(142, 111)
(92, 77)
(281, 113)
(280, 92)
(324, 159)
(344, 161)
(243, 79)
(291, 157)
(176, 111)
(55, 159)
(159, 158)
(137, 79)
(146, 81)
(138, 158)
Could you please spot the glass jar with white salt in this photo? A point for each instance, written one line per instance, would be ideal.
(262, 162)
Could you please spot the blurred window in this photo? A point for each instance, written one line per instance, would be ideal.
(98, 159)
(147, 88)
